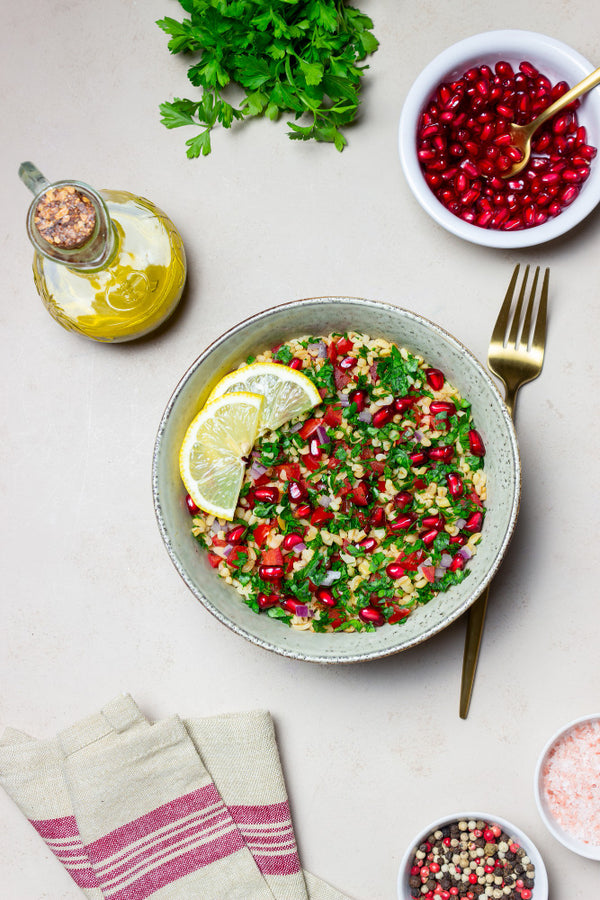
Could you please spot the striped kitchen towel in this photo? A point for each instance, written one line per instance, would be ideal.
(176, 810)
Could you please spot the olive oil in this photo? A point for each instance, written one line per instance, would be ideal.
(134, 291)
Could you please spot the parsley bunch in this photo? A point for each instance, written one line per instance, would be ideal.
(295, 57)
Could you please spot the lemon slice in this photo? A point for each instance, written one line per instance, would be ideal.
(211, 460)
(287, 392)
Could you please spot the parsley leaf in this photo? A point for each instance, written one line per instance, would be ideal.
(298, 57)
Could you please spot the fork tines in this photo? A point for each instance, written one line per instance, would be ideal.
(510, 329)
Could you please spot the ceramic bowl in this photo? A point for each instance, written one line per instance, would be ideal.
(570, 732)
(540, 888)
(552, 58)
(322, 316)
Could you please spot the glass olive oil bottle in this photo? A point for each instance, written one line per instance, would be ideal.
(107, 264)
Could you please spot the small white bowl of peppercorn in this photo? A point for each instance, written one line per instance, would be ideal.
(472, 855)
(454, 149)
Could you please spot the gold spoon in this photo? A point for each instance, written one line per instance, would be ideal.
(521, 134)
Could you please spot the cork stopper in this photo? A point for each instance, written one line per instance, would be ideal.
(65, 217)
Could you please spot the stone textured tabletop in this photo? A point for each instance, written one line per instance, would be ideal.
(92, 606)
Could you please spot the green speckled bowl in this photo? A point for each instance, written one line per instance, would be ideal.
(322, 315)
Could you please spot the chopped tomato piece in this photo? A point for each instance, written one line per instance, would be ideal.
(333, 415)
(265, 478)
(344, 346)
(398, 614)
(340, 378)
(261, 532)
(289, 471)
(238, 557)
(428, 572)
(309, 427)
(311, 463)
(214, 560)
(271, 557)
(332, 352)
(360, 495)
(219, 542)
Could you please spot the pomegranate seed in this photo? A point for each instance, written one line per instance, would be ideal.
(429, 536)
(368, 544)
(267, 494)
(401, 404)
(304, 510)
(372, 616)
(383, 416)
(359, 397)
(476, 445)
(403, 499)
(290, 604)
(314, 448)
(295, 363)
(394, 570)
(417, 457)
(291, 540)
(474, 522)
(455, 485)
(442, 406)
(296, 491)
(324, 595)
(458, 540)
(433, 522)
(270, 573)
(458, 562)
(266, 601)
(401, 523)
(435, 379)
(235, 535)
(378, 518)
(443, 453)
(191, 506)
(348, 363)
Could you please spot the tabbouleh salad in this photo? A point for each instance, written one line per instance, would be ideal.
(367, 507)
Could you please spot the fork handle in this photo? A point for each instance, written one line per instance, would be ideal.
(475, 620)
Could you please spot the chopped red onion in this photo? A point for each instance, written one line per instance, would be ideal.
(321, 433)
(445, 560)
(256, 470)
(440, 571)
(365, 416)
(465, 553)
(302, 611)
(227, 550)
(324, 500)
(296, 427)
(298, 548)
(418, 436)
(460, 523)
(215, 527)
(317, 349)
(344, 399)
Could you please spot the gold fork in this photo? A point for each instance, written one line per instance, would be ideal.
(516, 356)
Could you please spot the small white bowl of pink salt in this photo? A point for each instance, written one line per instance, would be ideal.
(567, 786)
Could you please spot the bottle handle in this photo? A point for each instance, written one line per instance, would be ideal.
(32, 178)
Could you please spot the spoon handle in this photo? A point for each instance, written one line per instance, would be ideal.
(582, 87)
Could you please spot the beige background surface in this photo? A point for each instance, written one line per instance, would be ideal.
(91, 604)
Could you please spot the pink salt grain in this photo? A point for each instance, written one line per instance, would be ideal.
(571, 782)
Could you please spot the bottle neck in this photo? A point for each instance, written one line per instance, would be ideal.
(60, 243)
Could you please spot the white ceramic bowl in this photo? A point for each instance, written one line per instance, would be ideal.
(554, 59)
(540, 888)
(322, 316)
(590, 851)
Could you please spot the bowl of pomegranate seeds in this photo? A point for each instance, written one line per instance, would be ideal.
(370, 522)
(567, 786)
(455, 147)
(471, 855)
